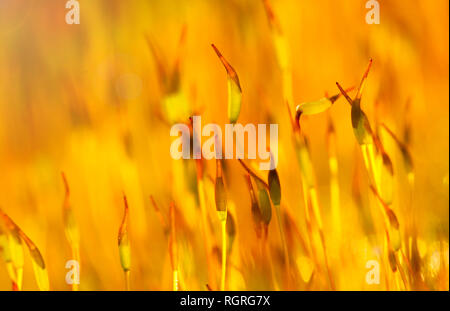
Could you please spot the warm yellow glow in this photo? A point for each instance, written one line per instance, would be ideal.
(97, 101)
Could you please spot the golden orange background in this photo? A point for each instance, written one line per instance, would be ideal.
(85, 99)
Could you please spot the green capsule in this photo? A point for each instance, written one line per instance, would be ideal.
(125, 253)
(255, 210)
(231, 232)
(39, 268)
(314, 107)
(36, 256)
(274, 187)
(234, 89)
(393, 221)
(392, 260)
(17, 237)
(234, 100)
(265, 205)
(407, 161)
(361, 126)
(394, 229)
(360, 122)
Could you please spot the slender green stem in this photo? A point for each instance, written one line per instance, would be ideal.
(224, 254)
(127, 280)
